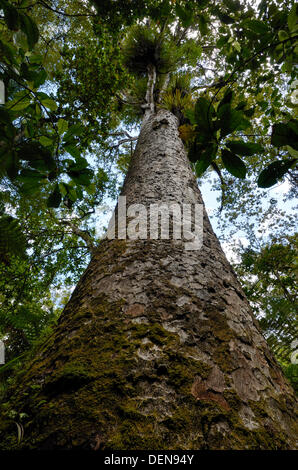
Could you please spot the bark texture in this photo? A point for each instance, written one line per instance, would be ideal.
(158, 347)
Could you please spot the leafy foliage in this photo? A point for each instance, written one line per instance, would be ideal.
(269, 276)
(12, 240)
(35, 140)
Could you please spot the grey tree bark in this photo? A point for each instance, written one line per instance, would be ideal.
(157, 347)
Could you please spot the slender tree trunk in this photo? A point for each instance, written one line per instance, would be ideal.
(158, 347)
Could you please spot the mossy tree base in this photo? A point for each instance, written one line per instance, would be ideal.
(113, 377)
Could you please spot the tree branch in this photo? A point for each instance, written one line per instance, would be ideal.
(81, 233)
(149, 106)
(122, 141)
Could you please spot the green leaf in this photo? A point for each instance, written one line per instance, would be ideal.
(230, 120)
(257, 26)
(203, 24)
(274, 172)
(11, 16)
(31, 181)
(233, 164)
(73, 150)
(292, 152)
(227, 98)
(40, 78)
(38, 156)
(244, 148)
(54, 198)
(49, 103)
(184, 14)
(79, 164)
(62, 126)
(190, 114)
(74, 130)
(285, 134)
(32, 174)
(237, 46)
(282, 35)
(12, 239)
(225, 18)
(202, 4)
(36, 58)
(204, 112)
(293, 17)
(233, 5)
(29, 27)
(4, 115)
(18, 104)
(8, 52)
(202, 156)
(82, 177)
(46, 141)
(63, 187)
(8, 163)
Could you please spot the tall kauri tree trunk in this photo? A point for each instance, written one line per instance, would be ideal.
(158, 347)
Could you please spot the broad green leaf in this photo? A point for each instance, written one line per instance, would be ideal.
(12, 239)
(49, 103)
(18, 104)
(37, 155)
(282, 35)
(36, 58)
(73, 150)
(54, 198)
(257, 26)
(204, 159)
(204, 112)
(203, 24)
(31, 181)
(225, 18)
(8, 52)
(230, 120)
(45, 141)
(72, 194)
(293, 17)
(274, 172)
(79, 164)
(63, 187)
(27, 173)
(237, 46)
(227, 98)
(11, 16)
(285, 134)
(233, 5)
(40, 78)
(62, 126)
(74, 130)
(244, 148)
(82, 177)
(292, 152)
(30, 28)
(233, 164)
(9, 164)
(184, 14)
(4, 115)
